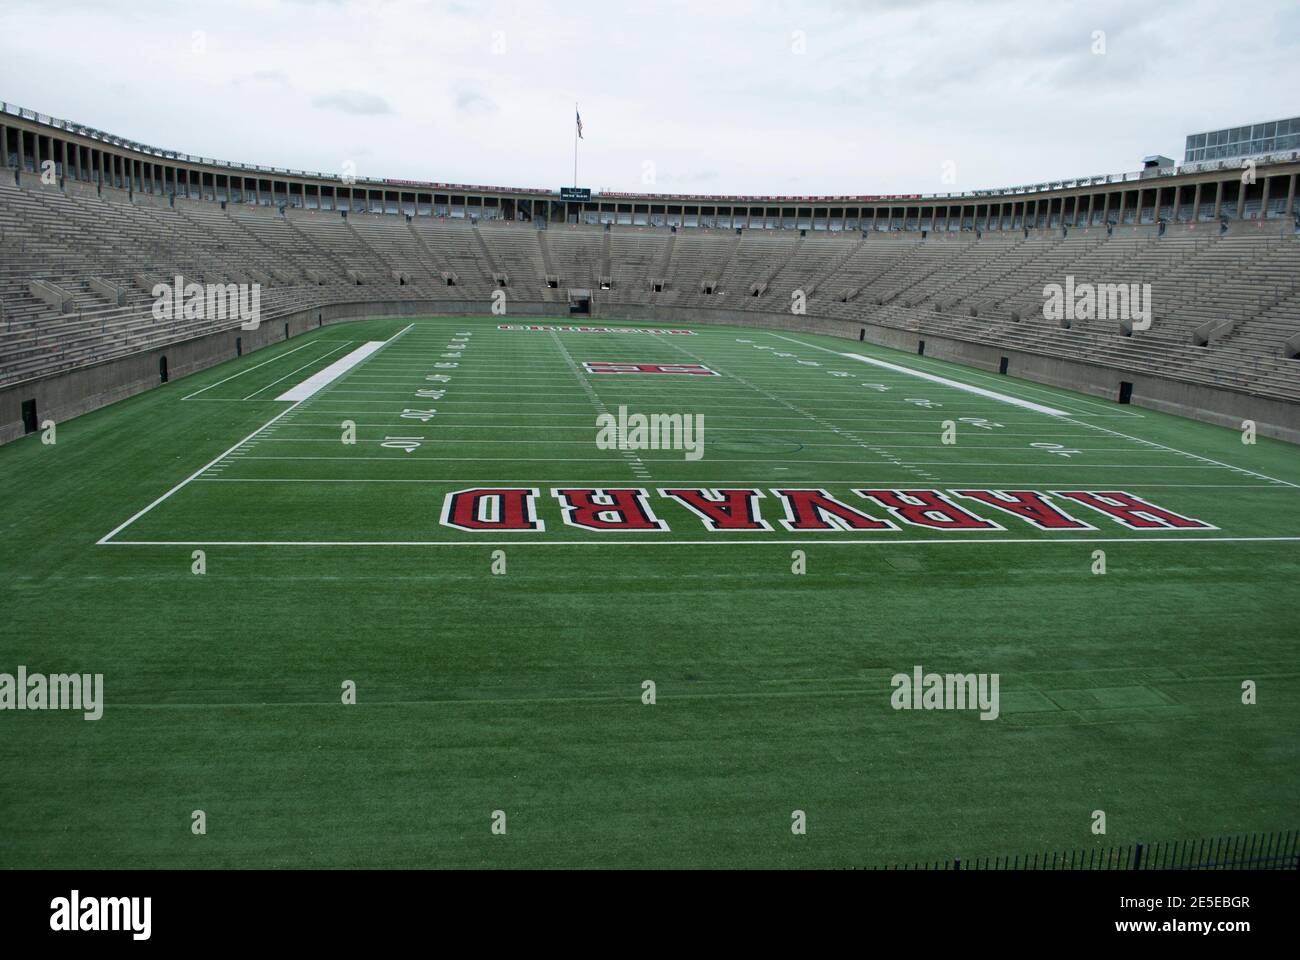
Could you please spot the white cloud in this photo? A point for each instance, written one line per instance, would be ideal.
(712, 94)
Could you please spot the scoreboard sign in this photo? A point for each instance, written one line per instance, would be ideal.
(575, 193)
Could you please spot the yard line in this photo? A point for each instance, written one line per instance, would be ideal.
(711, 482)
(935, 378)
(937, 541)
(629, 458)
(323, 378)
(803, 444)
(772, 433)
(1194, 456)
(107, 538)
(278, 356)
(1066, 418)
(292, 372)
(407, 458)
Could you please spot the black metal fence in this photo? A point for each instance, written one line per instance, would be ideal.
(1256, 851)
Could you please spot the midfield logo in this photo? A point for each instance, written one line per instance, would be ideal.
(550, 328)
(804, 510)
(686, 369)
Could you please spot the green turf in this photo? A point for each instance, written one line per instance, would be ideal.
(522, 692)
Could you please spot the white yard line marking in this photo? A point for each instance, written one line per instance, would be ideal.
(1184, 453)
(958, 385)
(107, 539)
(695, 482)
(321, 379)
(296, 370)
(679, 543)
(1067, 418)
(252, 368)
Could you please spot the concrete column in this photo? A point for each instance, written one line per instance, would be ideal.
(1290, 195)
(1263, 202)
(1155, 214)
(1196, 203)
(1241, 201)
(1218, 198)
(1105, 208)
(4, 145)
(1123, 200)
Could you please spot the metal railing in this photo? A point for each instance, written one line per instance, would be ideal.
(905, 199)
(1255, 851)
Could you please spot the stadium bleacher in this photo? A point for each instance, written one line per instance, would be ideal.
(78, 268)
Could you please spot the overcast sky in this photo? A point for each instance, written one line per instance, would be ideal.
(706, 96)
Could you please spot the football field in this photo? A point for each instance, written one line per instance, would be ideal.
(638, 653)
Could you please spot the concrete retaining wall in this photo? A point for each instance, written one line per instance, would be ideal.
(62, 396)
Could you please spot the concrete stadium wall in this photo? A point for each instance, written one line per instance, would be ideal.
(1220, 406)
(62, 396)
(66, 395)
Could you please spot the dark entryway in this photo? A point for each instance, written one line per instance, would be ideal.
(162, 369)
(1003, 363)
(920, 347)
(30, 423)
(239, 346)
(1125, 391)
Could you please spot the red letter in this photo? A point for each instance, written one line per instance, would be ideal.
(492, 509)
(722, 509)
(927, 508)
(607, 509)
(818, 510)
(1133, 512)
(1028, 505)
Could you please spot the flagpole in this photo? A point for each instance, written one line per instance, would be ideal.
(575, 143)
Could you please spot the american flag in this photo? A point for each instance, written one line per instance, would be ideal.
(579, 119)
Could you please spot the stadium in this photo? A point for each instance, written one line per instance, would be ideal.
(360, 521)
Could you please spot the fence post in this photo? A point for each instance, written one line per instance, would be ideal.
(956, 863)
(1137, 856)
